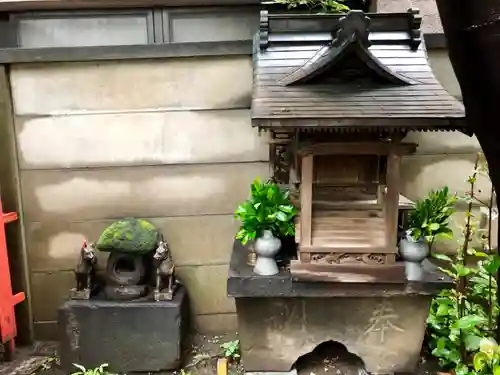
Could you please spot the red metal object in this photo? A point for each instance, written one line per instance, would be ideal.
(8, 328)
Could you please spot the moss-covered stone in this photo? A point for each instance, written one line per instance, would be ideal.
(129, 235)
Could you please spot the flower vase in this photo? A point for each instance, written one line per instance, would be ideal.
(413, 252)
(266, 247)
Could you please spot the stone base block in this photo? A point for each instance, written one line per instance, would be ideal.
(385, 332)
(131, 336)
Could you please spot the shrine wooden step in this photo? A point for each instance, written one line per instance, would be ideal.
(343, 273)
(353, 232)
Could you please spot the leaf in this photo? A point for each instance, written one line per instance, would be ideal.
(462, 369)
(462, 270)
(446, 235)
(442, 310)
(80, 367)
(487, 346)
(288, 208)
(447, 272)
(492, 265)
(281, 216)
(472, 342)
(496, 370)
(479, 361)
(469, 321)
(240, 210)
(242, 233)
(441, 256)
(434, 226)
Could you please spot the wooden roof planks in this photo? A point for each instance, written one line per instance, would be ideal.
(353, 71)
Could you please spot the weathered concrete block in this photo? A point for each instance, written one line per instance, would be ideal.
(48, 291)
(275, 332)
(54, 245)
(211, 244)
(130, 336)
(442, 69)
(216, 323)
(435, 143)
(125, 139)
(207, 288)
(457, 224)
(428, 9)
(79, 195)
(220, 82)
(421, 173)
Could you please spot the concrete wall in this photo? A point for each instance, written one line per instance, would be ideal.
(167, 140)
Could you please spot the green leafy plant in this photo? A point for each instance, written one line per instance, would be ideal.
(487, 360)
(268, 208)
(430, 216)
(320, 6)
(456, 321)
(101, 370)
(461, 318)
(231, 349)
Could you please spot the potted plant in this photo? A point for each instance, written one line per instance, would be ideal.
(265, 217)
(428, 219)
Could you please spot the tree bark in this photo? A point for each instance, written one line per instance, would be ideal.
(472, 30)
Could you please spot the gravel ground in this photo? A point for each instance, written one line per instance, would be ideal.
(201, 359)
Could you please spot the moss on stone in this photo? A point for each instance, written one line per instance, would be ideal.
(129, 235)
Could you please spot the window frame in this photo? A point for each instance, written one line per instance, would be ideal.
(169, 14)
(159, 21)
(148, 14)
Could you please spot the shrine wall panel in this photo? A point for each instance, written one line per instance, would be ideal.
(90, 194)
(444, 158)
(442, 69)
(168, 140)
(436, 143)
(421, 173)
(428, 8)
(152, 138)
(51, 244)
(147, 85)
(211, 299)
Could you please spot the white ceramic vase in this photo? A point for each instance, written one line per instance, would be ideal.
(413, 253)
(266, 248)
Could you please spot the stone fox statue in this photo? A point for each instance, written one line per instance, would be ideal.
(85, 269)
(165, 271)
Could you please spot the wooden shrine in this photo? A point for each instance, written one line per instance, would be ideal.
(339, 93)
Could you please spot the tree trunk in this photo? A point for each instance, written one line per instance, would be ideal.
(472, 30)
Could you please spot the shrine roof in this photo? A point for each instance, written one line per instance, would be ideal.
(351, 70)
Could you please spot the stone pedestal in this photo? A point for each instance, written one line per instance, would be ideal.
(280, 320)
(135, 336)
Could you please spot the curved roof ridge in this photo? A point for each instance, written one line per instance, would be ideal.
(353, 32)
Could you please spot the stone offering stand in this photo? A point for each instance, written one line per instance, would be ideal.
(281, 320)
